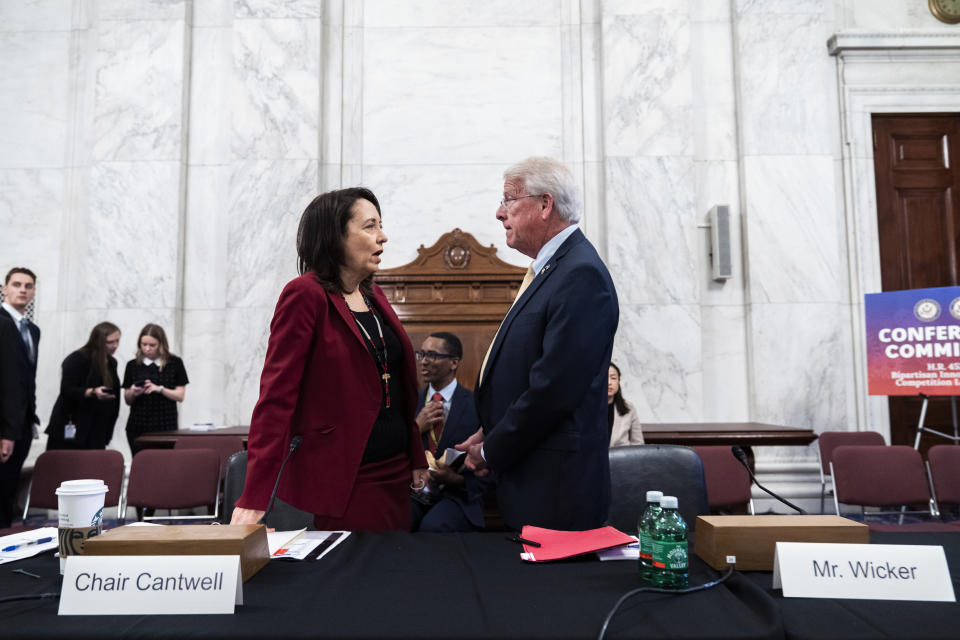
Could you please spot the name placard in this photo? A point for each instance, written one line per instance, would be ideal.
(144, 585)
(862, 571)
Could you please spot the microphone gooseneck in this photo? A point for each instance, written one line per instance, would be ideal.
(294, 444)
(741, 457)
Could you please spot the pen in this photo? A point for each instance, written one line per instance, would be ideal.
(529, 543)
(14, 547)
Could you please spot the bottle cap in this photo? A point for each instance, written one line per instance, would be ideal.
(668, 502)
(654, 496)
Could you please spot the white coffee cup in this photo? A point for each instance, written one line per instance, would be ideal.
(80, 505)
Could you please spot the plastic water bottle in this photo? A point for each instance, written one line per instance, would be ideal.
(670, 547)
(645, 533)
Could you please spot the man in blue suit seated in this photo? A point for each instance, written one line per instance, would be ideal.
(542, 389)
(446, 416)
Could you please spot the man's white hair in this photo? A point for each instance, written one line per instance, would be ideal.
(545, 175)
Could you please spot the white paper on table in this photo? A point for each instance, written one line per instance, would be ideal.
(297, 545)
(31, 550)
(277, 540)
(625, 552)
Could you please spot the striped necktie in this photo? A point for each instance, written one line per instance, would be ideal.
(527, 279)
(436, 431)
(25, 335)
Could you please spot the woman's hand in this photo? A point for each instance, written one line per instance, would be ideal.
(132, 393)
(150, 387)
(103, 393)
(418, 479)
(246, 516)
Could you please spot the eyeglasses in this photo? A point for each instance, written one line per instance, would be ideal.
(505, 203)
(431, 356)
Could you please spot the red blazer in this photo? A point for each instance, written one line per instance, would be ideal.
(320, 381)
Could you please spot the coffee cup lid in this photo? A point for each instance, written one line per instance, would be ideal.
(81, 487)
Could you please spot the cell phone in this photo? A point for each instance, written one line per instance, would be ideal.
(138, 384)
(456, 458)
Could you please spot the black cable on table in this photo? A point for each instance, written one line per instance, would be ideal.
(30, 596)
(630, 594)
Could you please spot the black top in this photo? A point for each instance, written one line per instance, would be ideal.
(154, 412)
(94, 419)
(390, 433)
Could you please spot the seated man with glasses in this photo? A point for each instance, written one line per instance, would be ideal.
(446, 416)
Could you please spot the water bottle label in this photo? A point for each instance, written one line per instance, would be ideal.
(646, 546)
(670, 555)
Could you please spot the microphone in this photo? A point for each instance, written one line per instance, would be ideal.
(294, 443)
(741, 457)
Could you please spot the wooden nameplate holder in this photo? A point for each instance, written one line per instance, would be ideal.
(249, 541)
(752, 539)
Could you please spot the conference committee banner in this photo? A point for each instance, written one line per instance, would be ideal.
(913, 342)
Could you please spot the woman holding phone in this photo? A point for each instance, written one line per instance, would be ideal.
(86, 410)
(153, 383)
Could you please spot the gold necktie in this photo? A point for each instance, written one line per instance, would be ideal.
(527, 279)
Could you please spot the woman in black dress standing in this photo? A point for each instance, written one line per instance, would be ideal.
(153, 383)
(86, 409)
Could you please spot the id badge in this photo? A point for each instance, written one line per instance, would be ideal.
(69, 431)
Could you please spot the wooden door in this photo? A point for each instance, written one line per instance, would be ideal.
(917, 165)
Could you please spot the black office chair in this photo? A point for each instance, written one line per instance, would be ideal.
(282, 518)
(675, 470)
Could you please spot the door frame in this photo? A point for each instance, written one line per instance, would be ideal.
(881, 73)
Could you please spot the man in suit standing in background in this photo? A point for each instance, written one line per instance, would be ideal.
(447, 415)
(542, 389)
(19, 339)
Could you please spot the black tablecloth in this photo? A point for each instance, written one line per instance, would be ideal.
(474, 586)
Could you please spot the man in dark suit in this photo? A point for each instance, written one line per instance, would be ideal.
(447, 415)
(19, 339)
(542, 389)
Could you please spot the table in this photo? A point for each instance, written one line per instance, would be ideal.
(166, 439)
(745, 434)
(399, 585)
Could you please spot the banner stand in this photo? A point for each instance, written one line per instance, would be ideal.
(923, 416)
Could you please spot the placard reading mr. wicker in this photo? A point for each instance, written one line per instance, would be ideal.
(913, 342)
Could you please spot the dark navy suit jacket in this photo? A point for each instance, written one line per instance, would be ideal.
(18, 396)
(543, 398)
(462, 422)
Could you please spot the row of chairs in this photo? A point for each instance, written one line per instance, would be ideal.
(706, 479)
(185, 477)
(882, 476)
(858, 468)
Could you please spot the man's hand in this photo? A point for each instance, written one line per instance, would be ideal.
(429, 416)
(443, 474)
(474, 461)
(6, 449)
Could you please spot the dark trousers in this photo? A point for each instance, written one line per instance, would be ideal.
(446, 516)
(131, 439)
(10, 480)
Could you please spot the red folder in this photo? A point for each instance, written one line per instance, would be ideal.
(555, 544)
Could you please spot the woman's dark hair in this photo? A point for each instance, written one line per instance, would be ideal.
(96, 350)
(618, 400)
(323, 226)
(155, 331)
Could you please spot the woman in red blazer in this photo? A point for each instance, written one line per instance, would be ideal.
(340, 373)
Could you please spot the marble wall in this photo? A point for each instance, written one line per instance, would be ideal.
(155, 158)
